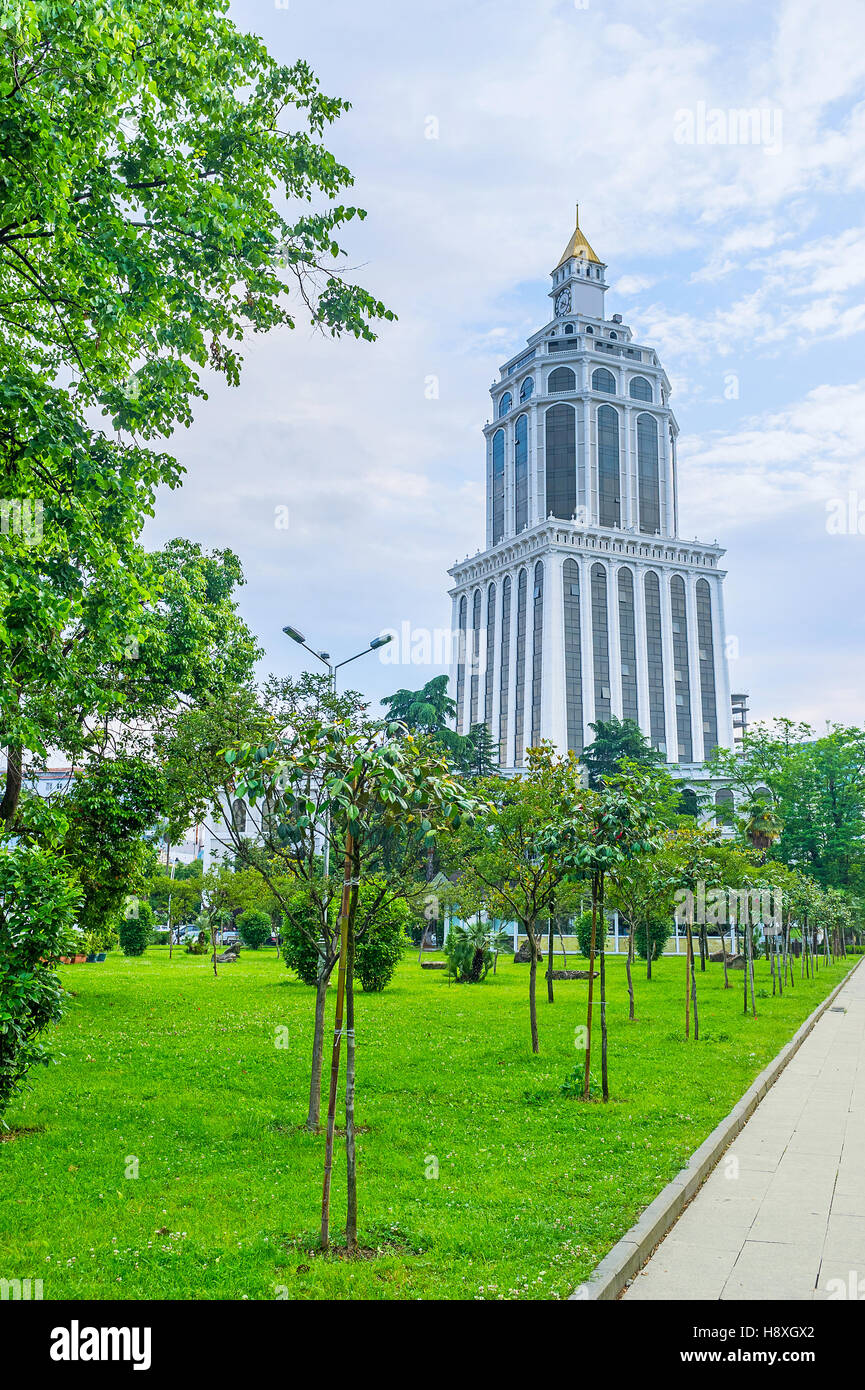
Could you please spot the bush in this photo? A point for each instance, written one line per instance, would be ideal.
(255, 927)
(659, 932)
(299, 950)
(38, 902)
(200, 946)
(135, 931)
(159, 937)
(584, 932)
(379, 948)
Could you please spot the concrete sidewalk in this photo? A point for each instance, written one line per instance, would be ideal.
(783, 1214)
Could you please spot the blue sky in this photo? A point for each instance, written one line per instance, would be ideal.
(742, 263)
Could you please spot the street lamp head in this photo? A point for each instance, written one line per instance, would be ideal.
(381, 641)
(324, 656)
(294, 634)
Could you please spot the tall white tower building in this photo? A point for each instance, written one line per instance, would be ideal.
(586, 602)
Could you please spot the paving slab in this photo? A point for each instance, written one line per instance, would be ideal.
(787, 1221)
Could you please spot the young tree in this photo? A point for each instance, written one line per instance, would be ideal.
(623, 817)
(373, 785)
(617, 743)
(510, 860)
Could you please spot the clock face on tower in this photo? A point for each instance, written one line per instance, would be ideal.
(563, 302)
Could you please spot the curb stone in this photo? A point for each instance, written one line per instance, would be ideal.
(630, 1253)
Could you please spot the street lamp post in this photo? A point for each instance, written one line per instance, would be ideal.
(324, 657)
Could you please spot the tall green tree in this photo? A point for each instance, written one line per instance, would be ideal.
(616, 743)
(166, 193)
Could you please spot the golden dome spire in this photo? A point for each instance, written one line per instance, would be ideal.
(578, 246)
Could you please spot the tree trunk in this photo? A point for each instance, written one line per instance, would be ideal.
(688, 948)
(313, 1117)
(629, 959)
(605, 1084)
(704, 945)
(533, 975)
(337, 1038)
(14, 781)
(724, 954)
(750, 971)
(550, 998)
(350, 1152)
(591, 986)
(694, 989)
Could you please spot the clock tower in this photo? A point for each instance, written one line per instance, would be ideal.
(578, 279)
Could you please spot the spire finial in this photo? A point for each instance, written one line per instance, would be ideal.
(578, 215)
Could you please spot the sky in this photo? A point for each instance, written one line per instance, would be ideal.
(348, 476)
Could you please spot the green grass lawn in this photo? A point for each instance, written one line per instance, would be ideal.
(160, 1062)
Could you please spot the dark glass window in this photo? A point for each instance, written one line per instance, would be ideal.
(724, 806)
(608, 466)
(655, 661)
(473, 656)
(527, 388)
(602, 380)
(573, 656)
(490, 657)
(562, 379)
(462, 623)
(520, 675)
(706, 643)
(498, 486)
(521, 473)
(505, 404)
(640, 389)
(647, 474)
(680, 669)
(537, 653)
(628, 645)
(600, 642)
(561, 462)
(569, 328)
(504, 671)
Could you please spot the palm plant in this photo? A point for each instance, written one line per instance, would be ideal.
(471, 948)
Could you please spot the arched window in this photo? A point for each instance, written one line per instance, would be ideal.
(724, 806)
(602, 380)
(537, 652)
(498, 486)
(561, 462)
(649, 486)
(490, 657)
(573, 655)
(628, 645)
(640, 389)
(680, 669)
(600, 642)
(614, 336)
(562, 379)
(461, 662)
(688, 803)
(589, 328)
(520, 674)
(706, 644)
(527, 388)
(655, 662)
(505, 404)
(569, 328)
(504, 670)
(238, 816)
(609, 506)
(473, 658)
(521, 473)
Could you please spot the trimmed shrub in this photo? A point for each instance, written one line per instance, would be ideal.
(135, 931)
(255, 927)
